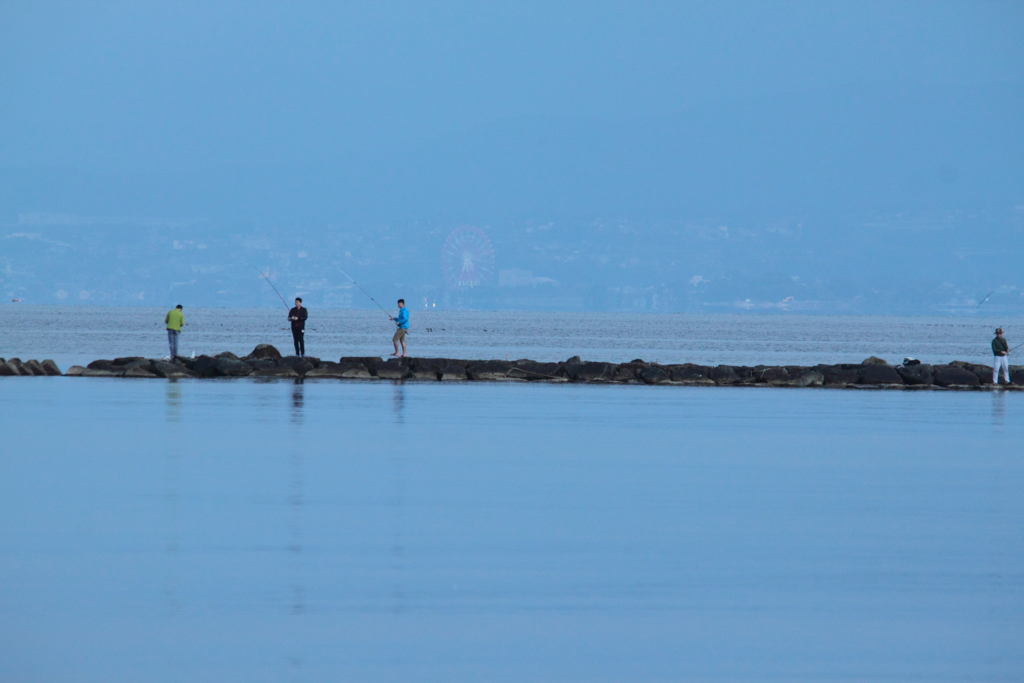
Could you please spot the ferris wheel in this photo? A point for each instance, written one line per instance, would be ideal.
(467, 257)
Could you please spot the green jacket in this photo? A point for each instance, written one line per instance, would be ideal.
(175, 319)
(999, 344)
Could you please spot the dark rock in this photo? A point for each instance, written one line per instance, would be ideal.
(171, 370)
(452, 373)
(627, 372)
(328, 370)
(102, 365)
(917, 374)
(688, 372)
(277, 371)
(1017, 374)
(262, 363)
(878, 374)
(805, 377)
(393, 368)
(368, 362)
(204, 366)
(570, 366)
(873, 360)
(746, 375)
(265, 351)
(352, 370)
(74, 371)
(138, 370)
(427, 363)
(532, 370)
(427, 368)
(313, 360)
(231, 367)
(723, 374)
(300, 365)
(592, 372)
(136, 363)
(984, 372)
(492, 370)
(11, 368)
(228, 355)
(771, 374)
(97, 372)
(34, 368)
(839, 375)
(127, 360)
(653, 374)
(950, 375)
(51, 368)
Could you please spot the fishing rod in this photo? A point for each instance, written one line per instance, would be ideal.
(265, 277)
(366, 293)
(986, 297)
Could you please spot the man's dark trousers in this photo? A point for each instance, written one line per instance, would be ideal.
(299, 337)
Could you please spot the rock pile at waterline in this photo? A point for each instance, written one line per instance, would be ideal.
(265, 361)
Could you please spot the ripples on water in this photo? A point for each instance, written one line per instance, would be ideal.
(77, 335)
(322, 531)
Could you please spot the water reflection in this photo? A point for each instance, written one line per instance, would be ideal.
(398, 402)
(171, 487)
(998, 407)
(298, 400)
(172, 497)
(172, 400)
(295, 508)
(398, 510)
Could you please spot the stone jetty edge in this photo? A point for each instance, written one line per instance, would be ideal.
(265, 361)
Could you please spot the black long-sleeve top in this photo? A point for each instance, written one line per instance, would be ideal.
(301, 314)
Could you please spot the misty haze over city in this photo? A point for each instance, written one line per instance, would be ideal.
(803, 157)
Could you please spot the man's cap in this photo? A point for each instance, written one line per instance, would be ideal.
(999, 330)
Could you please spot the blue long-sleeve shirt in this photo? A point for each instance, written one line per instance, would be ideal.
(403, 319)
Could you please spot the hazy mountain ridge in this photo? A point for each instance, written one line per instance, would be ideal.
(877, 263)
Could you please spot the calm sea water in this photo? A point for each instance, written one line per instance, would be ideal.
(73, 335)
(374, 531)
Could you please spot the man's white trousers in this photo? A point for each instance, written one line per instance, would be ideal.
(1001, 362)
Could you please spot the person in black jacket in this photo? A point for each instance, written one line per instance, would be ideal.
(298, 317)
(1001, 353)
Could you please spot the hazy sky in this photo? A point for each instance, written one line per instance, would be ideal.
(325, 111)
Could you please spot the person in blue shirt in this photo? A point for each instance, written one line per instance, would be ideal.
(403, 328)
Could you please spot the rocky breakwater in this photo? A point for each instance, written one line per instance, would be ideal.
(265, 361)
(15, 367)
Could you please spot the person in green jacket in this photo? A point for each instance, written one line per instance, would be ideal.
(174, 320)
(1001, 352)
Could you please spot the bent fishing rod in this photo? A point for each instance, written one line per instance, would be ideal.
(267, 278)
(367, 294)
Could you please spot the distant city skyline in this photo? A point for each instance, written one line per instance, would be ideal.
(789, 156)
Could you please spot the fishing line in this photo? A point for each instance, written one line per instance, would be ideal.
(986, 297)
(265, 277)
(366, 293)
